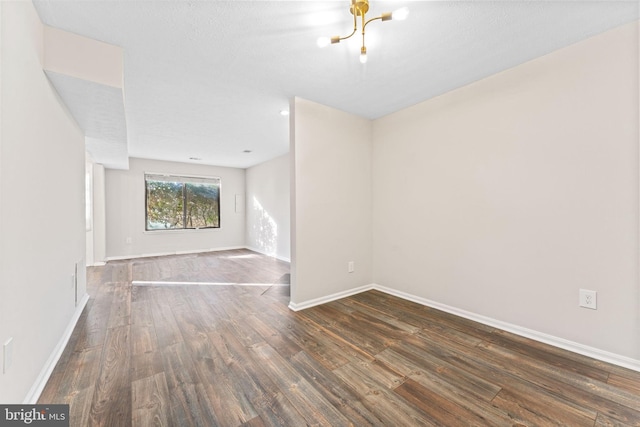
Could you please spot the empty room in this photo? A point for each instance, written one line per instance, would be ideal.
(339, 213)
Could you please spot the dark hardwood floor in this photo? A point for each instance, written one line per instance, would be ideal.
(230, 355)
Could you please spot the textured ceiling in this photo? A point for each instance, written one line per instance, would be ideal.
(99, 111)
(207, 79)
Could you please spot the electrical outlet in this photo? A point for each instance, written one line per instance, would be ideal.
(588, 299)
(7, 355)
(128, 240)
(351, 267)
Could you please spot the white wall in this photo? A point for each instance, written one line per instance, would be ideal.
(99, 219)
(267, 208)
(42, 229)
(88, 167)
(96, 236)
(331, 210)
(507, 196)
(125, 212)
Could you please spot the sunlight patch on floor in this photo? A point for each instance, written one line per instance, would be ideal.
(248, 256)
(160, 283)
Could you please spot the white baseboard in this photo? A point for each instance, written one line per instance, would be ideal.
(260, 251)
(196, 251)
(595, 353)
(323, 300)
(34, 394)
(562, 343)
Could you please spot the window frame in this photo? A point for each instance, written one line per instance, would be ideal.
(184, 179)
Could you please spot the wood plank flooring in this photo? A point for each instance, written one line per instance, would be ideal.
(234, 355)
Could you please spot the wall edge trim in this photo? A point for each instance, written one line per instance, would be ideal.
(41, 381)
(281, 258)
(195, 251)
(574, 347)
(333, 297)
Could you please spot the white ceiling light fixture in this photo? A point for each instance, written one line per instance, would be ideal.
(360, 8)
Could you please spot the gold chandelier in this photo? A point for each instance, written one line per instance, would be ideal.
(360, 8)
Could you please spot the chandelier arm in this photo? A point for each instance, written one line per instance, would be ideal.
(355, 28)
(364, 24)
(360, 8)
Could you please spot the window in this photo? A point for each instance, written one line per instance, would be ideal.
(181, 202)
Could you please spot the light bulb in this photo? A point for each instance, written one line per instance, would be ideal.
(400, 14)
(363, 56)
(324, 41)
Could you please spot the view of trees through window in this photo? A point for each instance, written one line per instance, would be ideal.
(178, 202)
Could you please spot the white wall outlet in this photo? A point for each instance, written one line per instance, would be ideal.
(351, 267)
(128, 240)
(588, 299)
(7, 355)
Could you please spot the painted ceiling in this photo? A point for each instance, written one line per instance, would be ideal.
(208, 79)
